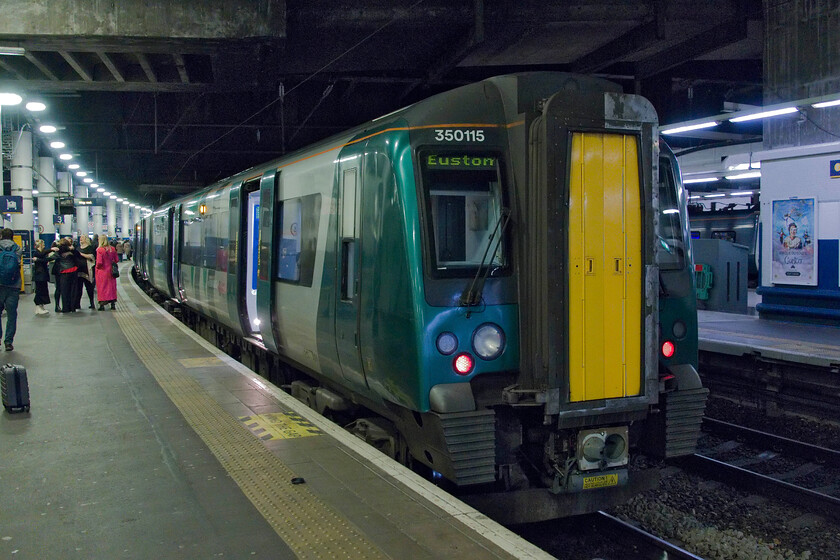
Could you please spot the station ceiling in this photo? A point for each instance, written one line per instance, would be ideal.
(155, 118)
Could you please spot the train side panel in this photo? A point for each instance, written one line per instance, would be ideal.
(390, 284)
(302, 210)
(205, 239)
(159, 250)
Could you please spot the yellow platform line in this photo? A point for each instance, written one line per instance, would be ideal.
(310, 527)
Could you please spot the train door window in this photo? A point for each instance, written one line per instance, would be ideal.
(464, 206)
(349, 218)
(251, 257)
(671, 251)
(298, 227)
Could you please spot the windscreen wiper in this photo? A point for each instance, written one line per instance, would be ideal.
(472, 295)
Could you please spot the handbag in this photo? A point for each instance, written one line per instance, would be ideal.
(115, 270)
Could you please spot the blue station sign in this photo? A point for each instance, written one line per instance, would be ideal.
(11, 204)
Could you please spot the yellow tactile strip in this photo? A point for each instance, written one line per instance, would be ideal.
(310, 527)
(280, 425)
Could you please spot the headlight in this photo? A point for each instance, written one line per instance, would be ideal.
(447, 343)
(488, 341)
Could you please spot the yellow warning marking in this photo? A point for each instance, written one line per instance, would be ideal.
(280, 425)
(201, 362)
(310, 527)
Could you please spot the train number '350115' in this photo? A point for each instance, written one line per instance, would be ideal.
(458, 135)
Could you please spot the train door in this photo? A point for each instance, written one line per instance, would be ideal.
(605, 256)
(348, 279)
(177, 232)
(251, 255)
(140, 259)
(170, 264)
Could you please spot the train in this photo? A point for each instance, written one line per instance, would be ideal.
(493, 286)
(738, 225)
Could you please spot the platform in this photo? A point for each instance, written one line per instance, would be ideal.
(734, 334)
(146, 442)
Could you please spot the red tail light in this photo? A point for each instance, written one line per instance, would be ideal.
(668, 348)
(463, 364)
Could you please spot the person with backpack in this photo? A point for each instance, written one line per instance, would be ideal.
(9, 283)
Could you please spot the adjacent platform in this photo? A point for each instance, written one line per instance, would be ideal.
(146, 442)
(733, 334)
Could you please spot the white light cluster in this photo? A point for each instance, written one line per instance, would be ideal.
(37, 106)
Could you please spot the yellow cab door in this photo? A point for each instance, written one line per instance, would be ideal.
(605, 267)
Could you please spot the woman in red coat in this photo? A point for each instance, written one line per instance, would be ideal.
(106, 285)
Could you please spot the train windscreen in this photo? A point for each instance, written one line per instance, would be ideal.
(671, 253)
(464, 206)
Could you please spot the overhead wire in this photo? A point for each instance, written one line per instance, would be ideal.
(305, 80)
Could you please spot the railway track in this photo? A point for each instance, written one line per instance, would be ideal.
(745, 452)
(647, 543)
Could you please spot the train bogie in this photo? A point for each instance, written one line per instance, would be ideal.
(483, 281)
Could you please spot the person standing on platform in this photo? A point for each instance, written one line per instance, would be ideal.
(106, 285)
(52, 263)
(9, 283)
(86, 251)
(118, 245)
(66, 277)
(127, 249)
(41, 277)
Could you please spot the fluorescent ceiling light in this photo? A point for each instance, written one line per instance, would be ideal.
(742, 193)
(47, 128)
(113, 197)
(100, 189)
(120, 199)
(106, 193)
(748, 175)
(57, 145)
(694, 196)
(94, 185)
(671, 211)
(88, 180)
(12, 51)
(73, 166)
(10, 99)
(34, 191)
(765, 114)
(714, 195)
(81, 173)
(126, 202)
(35, 106)
(689, 127)
(739, 167)
(825, 104)
(65, 157)
(701, 180)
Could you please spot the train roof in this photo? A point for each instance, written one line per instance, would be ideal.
(518, 93)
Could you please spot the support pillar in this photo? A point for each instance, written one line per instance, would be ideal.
(22, 179)
(111, 206)
(65, 185)
(82, 212)
(47, 197)
(125, 214)
(97, 220)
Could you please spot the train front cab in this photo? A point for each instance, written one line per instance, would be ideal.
(590, 300)
(674, 430)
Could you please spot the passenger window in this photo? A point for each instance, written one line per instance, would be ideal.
(298, 238)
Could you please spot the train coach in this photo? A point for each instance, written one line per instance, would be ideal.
(494, 284)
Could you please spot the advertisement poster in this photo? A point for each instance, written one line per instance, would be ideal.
(794, 241)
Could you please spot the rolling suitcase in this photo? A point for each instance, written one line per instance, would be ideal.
(15, 388)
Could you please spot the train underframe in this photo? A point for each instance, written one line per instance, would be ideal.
(509, 459)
